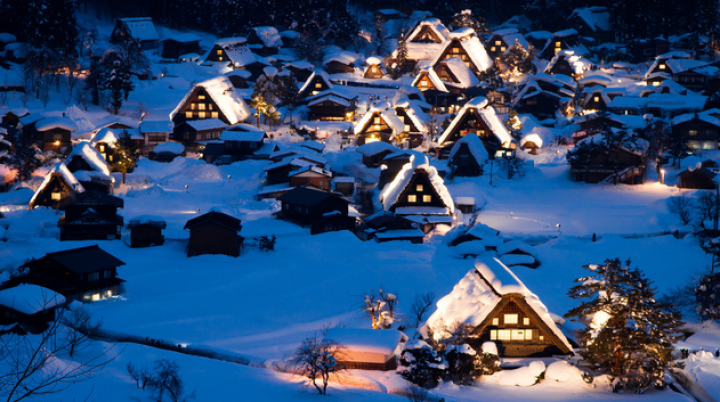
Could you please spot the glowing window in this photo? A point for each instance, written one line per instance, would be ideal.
(693, 133)
(526, 321)
(493, 334)
(492, 49)
(419, 188)
(496, 321)
(201, 115)
(56, 196)
(96, 297)
(518, 335)
(498, 43)
(558, 44)
(201, 106)
(528, 334)
(423, 83)
(201, 97)
(376, 120)
(510, 319)
(656, 83)
(503, 334)
(219, 52)
(427, 198)
(210, 106)
(188, 115)
(661, 66)
(596, 98)
(407, 127)
(541, 337)
(412, 198)
(318, 85)
(214, 115)
(220, 58)
(502, 48)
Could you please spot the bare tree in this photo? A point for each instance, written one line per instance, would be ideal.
(318, 360)
(164, 382)
(45, 364)
(390, 302)
(421, 304)
(372, 305)
(79, 324)
(682, 206)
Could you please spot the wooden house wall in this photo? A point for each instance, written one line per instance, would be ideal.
(553, 47)
(472, 123)
(420, 188)
(173, 49)
(318, 181)
(198, 106)
(376, 127)
(278, 175)
(218, 54)
(496, 46)
(540, 343)
(47, 273)
(540, 105)
(692, 80)
(426, 35)
(211, 238)
(33, 323)
(373, 71)
(424, 83)
(596, 102)
(407, 121)
(57, 140)
(57, 184)
(336, 67)
(696, 180)
(455, 49)
(562, 66)
(698, 130)
(329, 111)
(315, 86)
(146, 236)
(315, 213)
(463, 163)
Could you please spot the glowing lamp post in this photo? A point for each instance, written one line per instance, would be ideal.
(662, 176)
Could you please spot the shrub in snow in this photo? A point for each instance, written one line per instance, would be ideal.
(421, 364)
(707, 296)
(627, 334)
(267, 243)
(380, 308)
(521, 377)
(463, 365)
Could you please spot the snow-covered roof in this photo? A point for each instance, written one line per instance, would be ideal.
(321, 74)
(390, 194)
(239, 53)
(156, 126)
(269, 36)
(169, 147)
(475, 146)
(433, 24)
(387, 114)
(7, 37)
(415, 113)
(568, 55)
(596, 18)
(250, 135)
(183, 37)
(91, 155)
(708, 116)
(50, 123)
(487, 113)
(340, 56)
(334, 99)
(30, 299)
(366, 340)
(106, 135)
(475, 51)
(222, 92)
(465, 76)
(66, 174)
(531, 137)
(513, 38)
(479, 292)
(141, 29)
(375, 147)
(432, 75)
(206, 124)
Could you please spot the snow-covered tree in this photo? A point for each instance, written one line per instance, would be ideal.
(518, 60)
(627, 334)
(421, 364)
(24, 159)
(707, 296)
(513, 124)
(123, 158)
(318, 359)
(380, 308)
(466, 19)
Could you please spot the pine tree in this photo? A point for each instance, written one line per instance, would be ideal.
(115, 79)
(678, 146)
(518, 60)
(627, 334)
(24, 160)
(123, 156)
(466, 19)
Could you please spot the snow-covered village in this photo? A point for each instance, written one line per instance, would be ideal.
(400, 200)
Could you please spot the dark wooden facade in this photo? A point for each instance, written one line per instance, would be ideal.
(214, 233)
(700, 134)
(496, 46)
(376, 128)
(22, 323)
(542, 105)
(627, 167)
(56, 190)
(331, 110)
(316, 84)
(85, 274)
(463, 162)
(699, 179)
(424, 83)
(199, 105)
(146, 233)
(517, 330)
(455, 49)
(373, 71)
(472, 123)
(322, 210)
(419, 192)
(336, 67)
(91, 215)
(173, 48)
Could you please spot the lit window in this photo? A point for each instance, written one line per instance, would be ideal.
(502, 48)
(214, 115)
(193, 106)
(201, 106)
(188, 115)
(493, 334)
(510, 319)
(407, 127)
(492, 49)
(498, 43)
(656, 83)
(201, 97)
(210, 106)
(412, 198)
(220, 58)
(526, 321)
(661, 66)
(101, 147)
(541, 337)
(219, 52)
(376, 127)
(518, 334)
(96, 297)
(596, 98)
(201, 115)
(503, 334)
(56, 196)
(558, 44)
(419, 188)
(528, 334)
(423, 84)
(376, 120)
(495, 321)
(427, 198)
(693, 133)
(318, 85)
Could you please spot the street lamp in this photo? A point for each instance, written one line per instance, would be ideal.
(662, 176)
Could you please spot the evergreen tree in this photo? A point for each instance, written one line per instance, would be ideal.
(421, 364)
(288, 94)
(519, 60)
(466, 19)
(707, 296)
(123, 156)
(115, 79)
(25, 159)
(627, 334)
(678, 147)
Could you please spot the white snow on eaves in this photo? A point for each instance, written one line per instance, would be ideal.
(66, 174)
(30, 299)
(91, 155)
(49, 123)
(390, 194)
(223, 93)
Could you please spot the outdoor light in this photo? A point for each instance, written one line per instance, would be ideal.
(229, 177)
(662, 176)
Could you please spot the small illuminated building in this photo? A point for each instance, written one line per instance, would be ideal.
(55, 134)
(469, 49)
(374, 68)
(500, 309)
(419, 194)
(212, 99)
(140, 29)
(366, 349)
(380, 123)
(477, 118)
(59, 184)
(89, 168)
(318, 82)
(85, 274)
